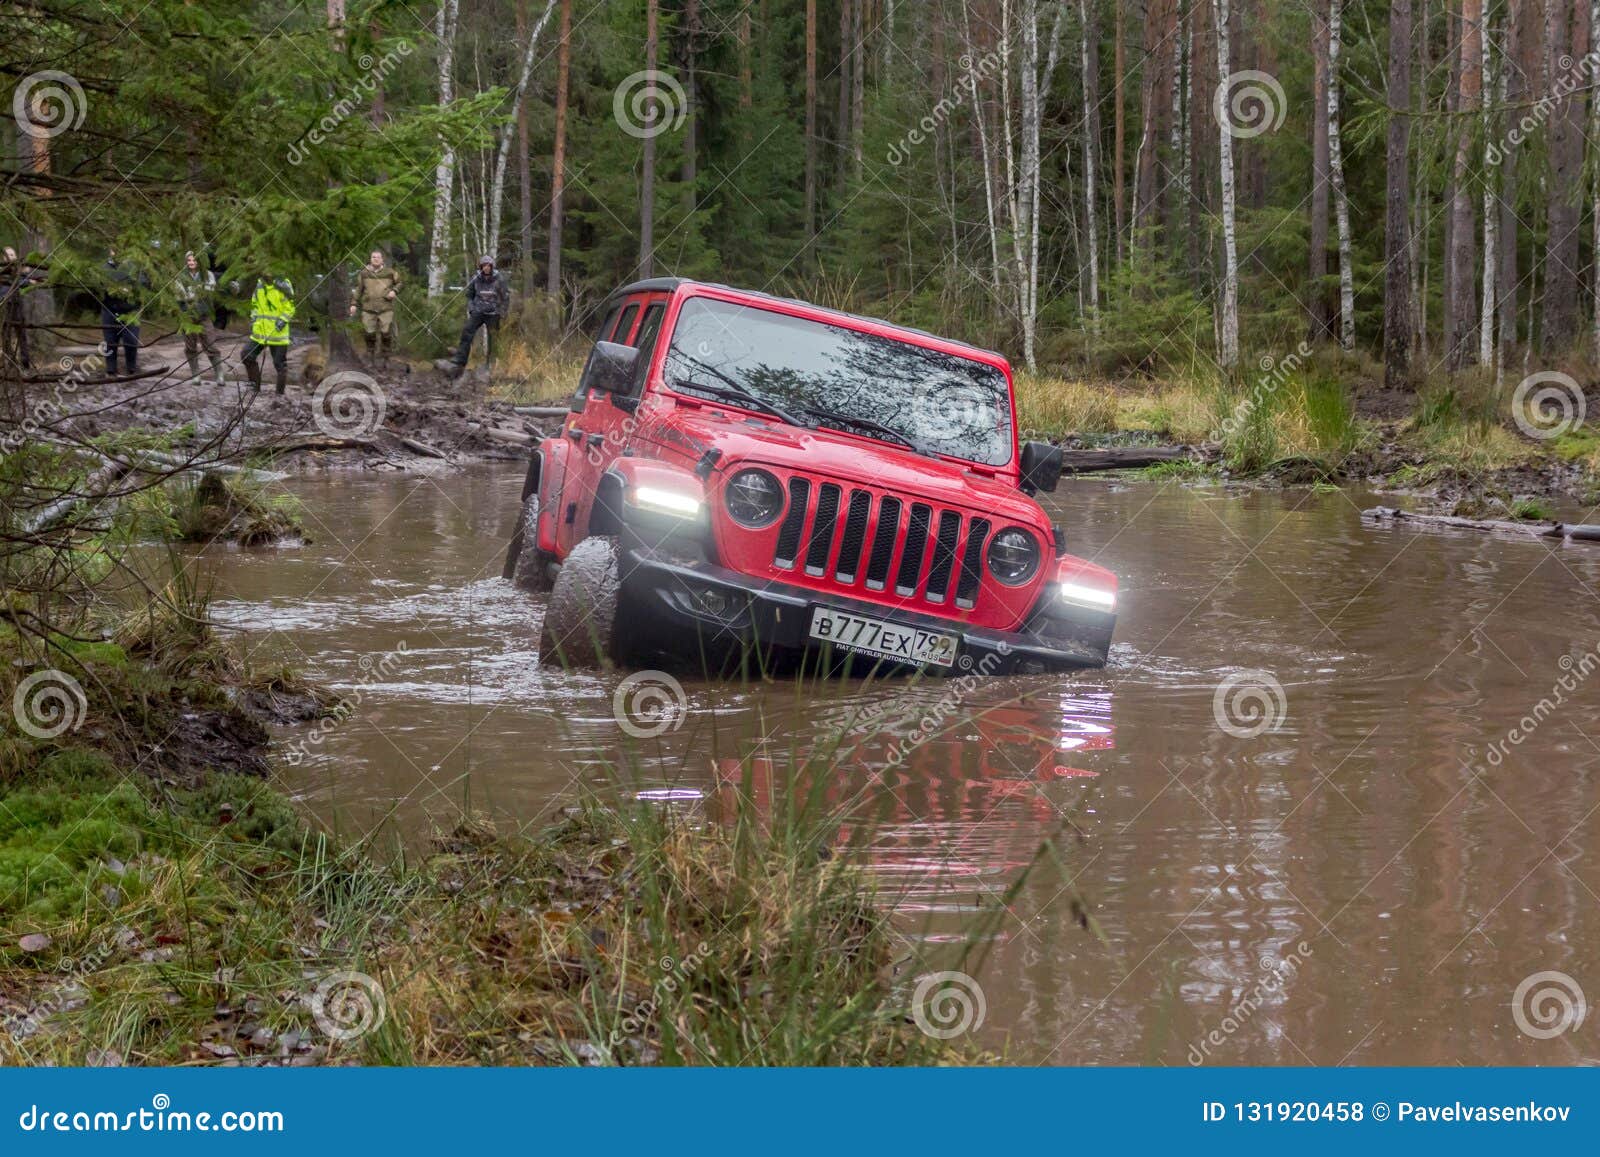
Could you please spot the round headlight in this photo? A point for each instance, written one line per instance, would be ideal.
(754, 498)
(1013, 556)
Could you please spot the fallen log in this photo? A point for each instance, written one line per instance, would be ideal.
(422, 448)
(1576, 533)
(1122, 457)
(542, 411)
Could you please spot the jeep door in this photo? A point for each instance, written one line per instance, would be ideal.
(602, 423)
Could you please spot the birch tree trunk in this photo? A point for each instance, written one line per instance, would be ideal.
(1228, 334)
(524, 176)
(1089, 62)
(1341, 203)
(1118, 195)
(444, 173)
(497, 185)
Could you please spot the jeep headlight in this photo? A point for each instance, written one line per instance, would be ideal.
(1013, 556)
(660, 500)
(754, 499)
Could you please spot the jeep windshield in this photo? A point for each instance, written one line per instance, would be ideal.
(894, 391)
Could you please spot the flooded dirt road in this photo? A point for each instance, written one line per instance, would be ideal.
(1333, 801)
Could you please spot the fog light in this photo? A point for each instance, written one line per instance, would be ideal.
(663, 501)
(1084, 596)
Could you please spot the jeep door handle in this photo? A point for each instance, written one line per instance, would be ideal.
(575, 434)
(597, 440)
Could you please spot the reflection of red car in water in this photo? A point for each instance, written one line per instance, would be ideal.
(971, 799)
(741, 475)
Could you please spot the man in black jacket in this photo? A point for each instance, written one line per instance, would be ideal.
(488, 299)
(119, 314)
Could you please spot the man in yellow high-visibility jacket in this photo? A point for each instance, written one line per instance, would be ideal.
(271, 310)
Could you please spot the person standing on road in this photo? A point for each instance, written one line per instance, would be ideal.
(271, 310)
(119, 315)
(488, 300)
(377, 287)
(15, 277)
(197, 291)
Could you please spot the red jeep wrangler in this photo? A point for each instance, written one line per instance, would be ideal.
(742, 476)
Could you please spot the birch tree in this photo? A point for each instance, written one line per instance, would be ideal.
(1228, 327)
(444, 173)
(1089, 63)
(1341, 203)
(503, 153)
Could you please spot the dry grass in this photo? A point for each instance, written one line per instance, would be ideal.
(537, 375)
(1052, 407)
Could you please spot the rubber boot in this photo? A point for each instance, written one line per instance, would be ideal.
(372, 351)
(217, 370)
(194, 367)
(252, 366)
(283, 380)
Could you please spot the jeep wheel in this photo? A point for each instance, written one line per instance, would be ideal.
(526, 564)
(580, 617)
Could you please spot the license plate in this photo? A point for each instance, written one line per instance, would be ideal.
(886, 640)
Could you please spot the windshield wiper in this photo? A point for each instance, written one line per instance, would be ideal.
(731, 390)
(829, 417)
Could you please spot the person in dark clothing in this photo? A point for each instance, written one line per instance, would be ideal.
(119, 315)
(488, 299)
(16, 275)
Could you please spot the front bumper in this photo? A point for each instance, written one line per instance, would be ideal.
(675, 607)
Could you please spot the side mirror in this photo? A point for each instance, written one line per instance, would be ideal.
(1041, 466)
(610, 368)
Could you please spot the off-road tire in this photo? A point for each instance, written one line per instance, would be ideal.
(580, 617)
(527, 565)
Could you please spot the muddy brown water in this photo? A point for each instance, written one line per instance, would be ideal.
(1368, 880)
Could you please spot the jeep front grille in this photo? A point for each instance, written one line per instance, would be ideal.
(927, 549)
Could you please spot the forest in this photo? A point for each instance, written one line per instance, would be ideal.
(1112, 188)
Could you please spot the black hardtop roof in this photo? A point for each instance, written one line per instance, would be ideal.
(668, 284)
